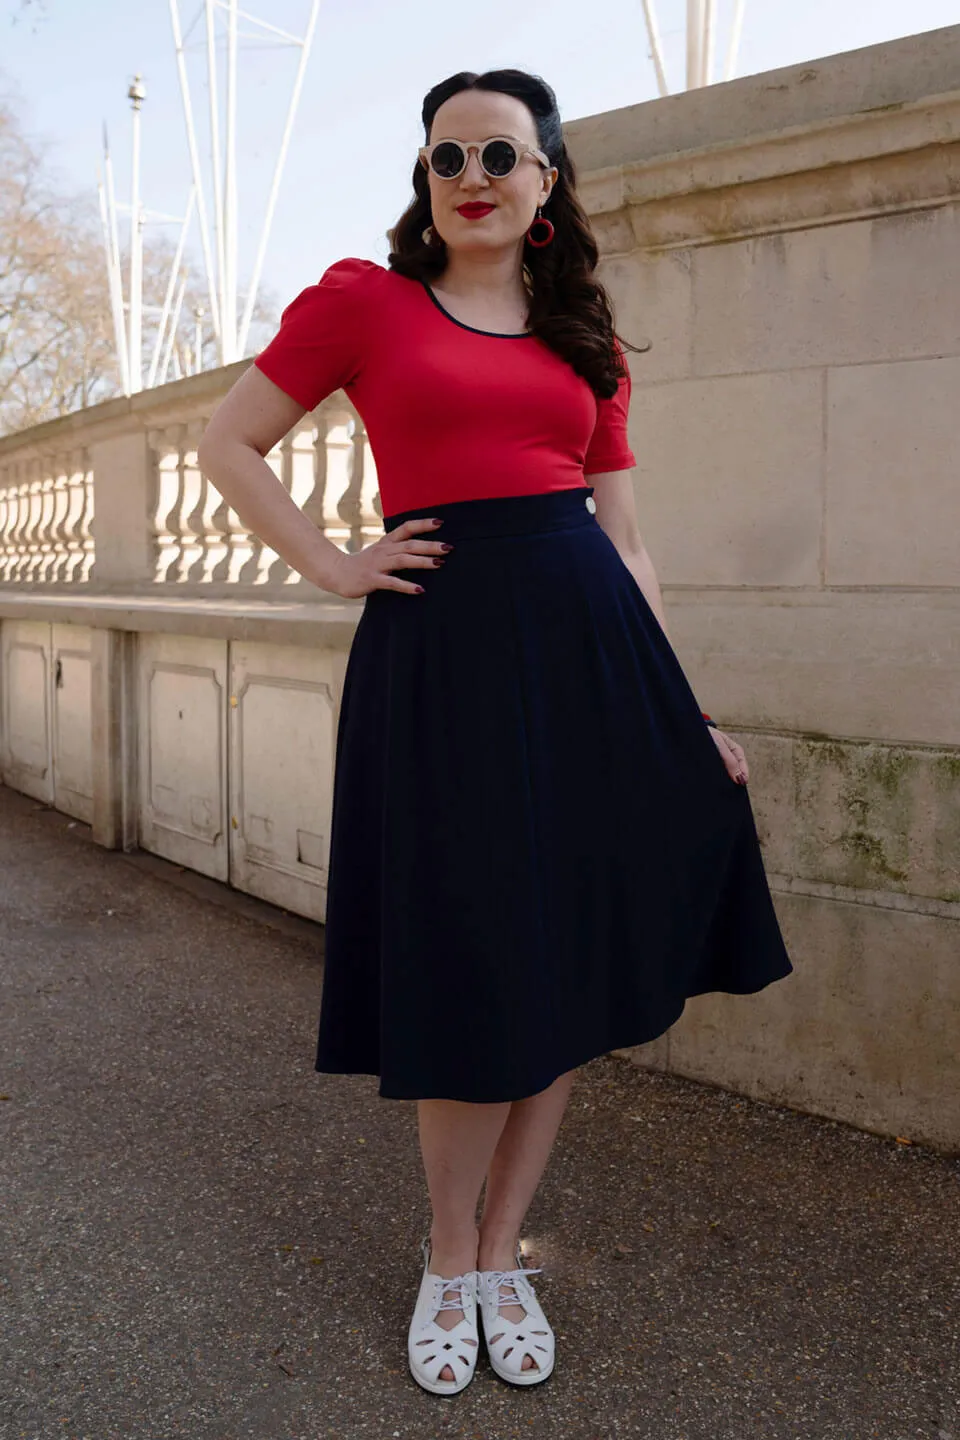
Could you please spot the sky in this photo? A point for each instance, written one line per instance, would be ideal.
(351, 154)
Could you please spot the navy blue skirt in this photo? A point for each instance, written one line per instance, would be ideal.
(537, 853)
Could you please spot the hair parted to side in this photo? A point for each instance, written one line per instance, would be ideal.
(570, 310)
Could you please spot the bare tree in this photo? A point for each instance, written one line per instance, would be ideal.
(56, 330)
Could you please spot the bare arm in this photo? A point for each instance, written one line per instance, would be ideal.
(246, 425)
(252, 417)
(617, 513)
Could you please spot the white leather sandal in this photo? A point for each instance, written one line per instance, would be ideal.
(508, 1341)
(429, 1346)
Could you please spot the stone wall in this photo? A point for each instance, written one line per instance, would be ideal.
(790, 243)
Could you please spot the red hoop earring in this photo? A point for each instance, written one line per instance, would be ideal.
(540, 219)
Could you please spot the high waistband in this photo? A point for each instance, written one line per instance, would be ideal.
(505, 514)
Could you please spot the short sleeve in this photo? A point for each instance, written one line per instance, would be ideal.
(609, 447)
(321, 342)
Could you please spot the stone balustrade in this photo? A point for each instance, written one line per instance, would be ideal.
(46, 517)
(114, 496)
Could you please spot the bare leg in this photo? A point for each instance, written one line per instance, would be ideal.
(516, 1167)
(457, 1140)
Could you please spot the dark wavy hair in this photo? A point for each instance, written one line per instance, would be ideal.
(569, 308)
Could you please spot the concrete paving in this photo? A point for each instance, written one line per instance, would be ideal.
(203, 1238)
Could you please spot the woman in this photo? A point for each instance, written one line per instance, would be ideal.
(540, 845)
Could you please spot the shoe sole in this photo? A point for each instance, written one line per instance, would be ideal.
(527, 1377)
(536, 1377)
(443, 1387)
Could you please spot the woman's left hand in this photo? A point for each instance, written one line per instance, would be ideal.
(733, 756)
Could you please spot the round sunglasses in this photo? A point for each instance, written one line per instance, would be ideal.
(499, 156)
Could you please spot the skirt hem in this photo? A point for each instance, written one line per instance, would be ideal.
(398, 1091)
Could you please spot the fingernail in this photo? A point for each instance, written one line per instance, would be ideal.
(437, 522)
(420, 590)
(446, 546)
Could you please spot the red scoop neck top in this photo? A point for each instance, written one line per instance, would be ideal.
(451, 412)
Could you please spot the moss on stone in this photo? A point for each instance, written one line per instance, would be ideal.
(869, 849)
(949, 764)
(888, 766)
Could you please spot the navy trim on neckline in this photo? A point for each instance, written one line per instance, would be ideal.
(496, 334)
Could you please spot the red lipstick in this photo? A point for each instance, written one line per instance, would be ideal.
(474, 209)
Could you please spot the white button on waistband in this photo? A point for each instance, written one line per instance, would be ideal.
(590, 503)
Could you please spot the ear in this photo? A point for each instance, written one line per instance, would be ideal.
(548, 179)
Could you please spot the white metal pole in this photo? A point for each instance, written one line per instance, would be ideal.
(656, 49)
(135, 95)
(230, 194)
(116, 290)
(709, 29)
(197, 339)
(734, 45)
(215, 146)
(116, 275)
(174, 268)
(275, 187)
(172, 336)
(694, 37)
(197, 180)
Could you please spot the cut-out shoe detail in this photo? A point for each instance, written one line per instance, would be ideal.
(430, 1347)
(508, 1341)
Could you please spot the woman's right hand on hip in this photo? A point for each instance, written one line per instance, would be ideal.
(369, 569)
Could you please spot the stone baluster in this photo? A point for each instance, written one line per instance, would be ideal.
(206, 545)
(31, 520)
(189, 507)
(11, 520)
(41, 507)
(164, 443)
(59, 562)
(71, 528)
(82, 530)
(6, 513)
(336, 430)
(27, 530)
(9, 510)
(18, 544)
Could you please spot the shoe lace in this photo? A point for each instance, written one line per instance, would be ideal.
(497, 1279)
(454, 1301)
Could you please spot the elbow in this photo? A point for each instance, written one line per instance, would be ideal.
(208, 451)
